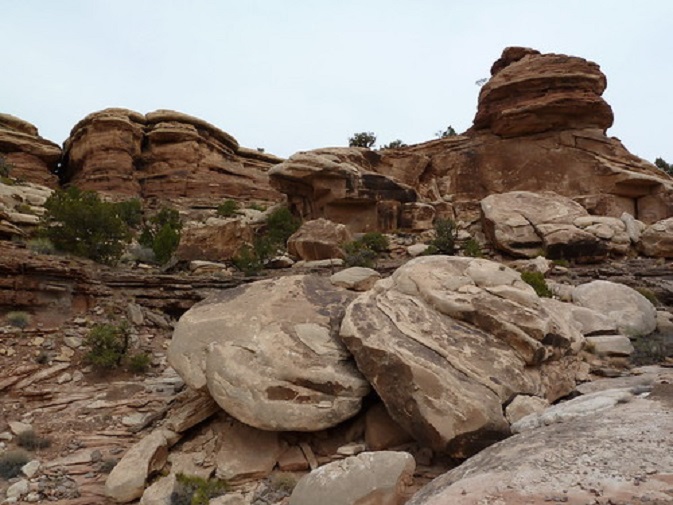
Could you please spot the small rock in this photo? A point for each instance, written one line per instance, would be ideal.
(96, 456)
(64, 377)
(351, 449)
(77, 376)
(135, 314)
(18, 489)
(417, 249)
(356, 278)
(31, 468)
(73, 342)
(18, 427)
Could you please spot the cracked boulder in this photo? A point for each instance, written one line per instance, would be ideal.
(448, 341)
(269, 354)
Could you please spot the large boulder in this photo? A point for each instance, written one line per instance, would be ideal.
(522, 223)
(215, 240)
(31, 157)
(269, 354)
(371, 478)
(319, 239)
(163, 154)
(448, 341)
(341, 184)
(657, 239)
(617, 453)
(633, 314)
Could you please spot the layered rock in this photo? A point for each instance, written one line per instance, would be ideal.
(280, 367)
(318, 239)
(447, 341)
(163, 154)
(31, 157)
(340, 184)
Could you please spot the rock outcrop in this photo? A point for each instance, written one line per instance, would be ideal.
(31, 157)
(447, 341)
(318, 239)
(269, 354)
(163, 154)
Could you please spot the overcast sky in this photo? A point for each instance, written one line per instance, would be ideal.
(290, 75)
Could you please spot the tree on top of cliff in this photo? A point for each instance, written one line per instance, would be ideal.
(666, 167)
(80, 223)
(362, 139)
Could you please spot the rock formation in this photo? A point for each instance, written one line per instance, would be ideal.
(32, 158)
(163, 154)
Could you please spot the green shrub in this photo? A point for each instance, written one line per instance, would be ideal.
(449, 132)
(375, 241)
(130, 211)
(5, 167)
(192, 490)
(248, 261)
(140, 363)
(18, 319)
(107, 346)
(649, 294)
(256, 206)
(41, 245)
(445, 240)
(363, 251)
(162, 234)
(228, 208)
(11, 463)
(31, 440)
(362, 139)
(395, 144)
(472, 248)
(280, 225)
(80, 223)
(24, 208)
(662, 165)
(538, 282)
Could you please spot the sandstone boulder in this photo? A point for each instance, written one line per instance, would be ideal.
(372, 478)
(447, 341)
(340, 184)
(356, 278)
(657, 239)
(572, 462)
(319, 239)
(32, 158)
(217, 240)
(522, 223)
(269, 354)
(632, 312)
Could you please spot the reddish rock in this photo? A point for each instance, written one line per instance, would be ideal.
(318, 240)
(32, 157)
(164, 154)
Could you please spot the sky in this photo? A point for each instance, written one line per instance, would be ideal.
(291, 75)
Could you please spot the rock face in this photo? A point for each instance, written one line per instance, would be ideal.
(32, 158)
(447, 341)
(657, 239)
(269, 354)
(340, 184)
(532, 93)
(542, 465)
(372, 478)
(319, 239)
(163, 154)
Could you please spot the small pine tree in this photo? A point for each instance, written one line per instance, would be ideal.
(449, 132)
(162, 234)
(362, 139)
(662, 165)
(395, 144)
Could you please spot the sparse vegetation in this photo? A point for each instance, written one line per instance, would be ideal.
(196, 491)
(32, 441)
(41, 245)
(228, 208)
(662, 165)
(537, 281)
(18, 319)
(284, 482)
(107, 346)
(130, 211)
(140, 363)
(80, 223)
(11, 463)
(24, 208)
(472, 248)
(256, 206)
(162, 234)
(362, 139)
(449, 132)
(651, 349)
(649, 294)
(395, 144)
(363, 251)
(444, 242)
(5, 167)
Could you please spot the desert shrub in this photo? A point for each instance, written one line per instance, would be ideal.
(162, 234)
(107, 345)
(5, 167)
(449, 132)
(80, 223)
(32, 441)
(228, 208)
(662, 165)
(561, 262)
(445, 239)
(362, 139)
(284, 482)
(24, 208)
(472, 248)
(363, 251)
(248, 261)
(41, 245)
(18, 319)
(280, 225)
(140, 363)
(192, 490)
(538, 283)
(649, 294)
(130, 211)
(375, 241)
(395, 144)
(256, 206)
(11, 463)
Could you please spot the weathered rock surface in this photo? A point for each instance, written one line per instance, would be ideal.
(280, 367)
(356, 278)
(447, 341)
(215, 240)
(633, 313)
(163, 154)
(32, 157)
(319, 239)
(340, 184)
(657, 239)
(372, 478)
